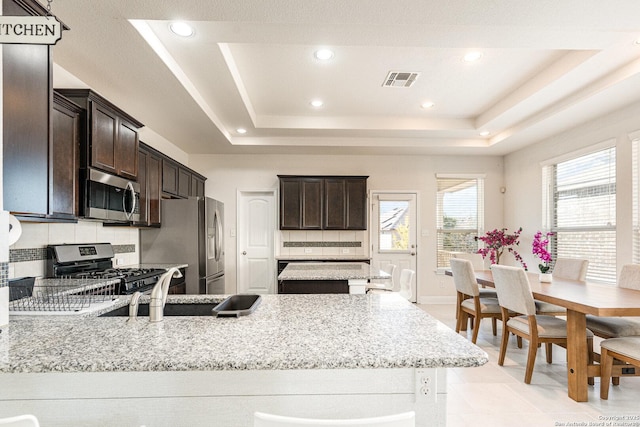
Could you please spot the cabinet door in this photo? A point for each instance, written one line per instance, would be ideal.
(149, 179)
(169, 177)
(26, 109)
(65, 160)
(356, 204)
(290, 204)
(311, 195)
(143, 159)
(197, 187)
(126, 151)
(104, 132)
(184, 182)
(335, 204)
(154, 177)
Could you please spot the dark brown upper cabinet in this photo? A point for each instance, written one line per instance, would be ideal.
(301, 203)
(197, 185)
(38, 182)
(150, 180)
(323, 202)
(184, 182)
(111, 134)
(66, 120)
(169, 176)
(178, 181)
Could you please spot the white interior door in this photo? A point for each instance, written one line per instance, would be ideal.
(256, 227)
(393, 233)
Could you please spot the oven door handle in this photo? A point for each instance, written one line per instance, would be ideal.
(129, 191)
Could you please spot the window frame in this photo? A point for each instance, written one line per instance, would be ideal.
(441, 231)
(550, 196)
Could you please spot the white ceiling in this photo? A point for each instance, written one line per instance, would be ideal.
(547, 65)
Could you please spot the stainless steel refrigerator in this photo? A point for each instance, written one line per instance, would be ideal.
(191, 233)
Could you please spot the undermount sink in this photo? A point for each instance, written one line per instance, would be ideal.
(170, 309)
(233, 306)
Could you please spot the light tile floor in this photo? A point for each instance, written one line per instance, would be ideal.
(494, 395)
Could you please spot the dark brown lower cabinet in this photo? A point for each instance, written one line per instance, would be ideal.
(313, 287)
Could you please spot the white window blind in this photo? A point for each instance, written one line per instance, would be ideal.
(460, 216)
(580, 203)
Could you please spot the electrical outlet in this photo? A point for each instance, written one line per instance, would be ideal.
(345, 250)
(119, 261)
(308, 250)
(425, 383)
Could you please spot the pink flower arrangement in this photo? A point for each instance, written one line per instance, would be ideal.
(497, 241)
(539, 249)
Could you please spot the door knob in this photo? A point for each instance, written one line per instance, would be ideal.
(244, 252)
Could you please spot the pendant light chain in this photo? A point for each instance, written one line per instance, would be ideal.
(49, 6)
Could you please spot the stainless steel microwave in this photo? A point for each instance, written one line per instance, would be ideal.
(111, 198)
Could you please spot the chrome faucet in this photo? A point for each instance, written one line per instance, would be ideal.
(159, 295)
(133, 307)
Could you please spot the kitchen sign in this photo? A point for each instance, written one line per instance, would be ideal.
(29, 30)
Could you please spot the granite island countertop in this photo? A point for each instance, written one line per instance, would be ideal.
(331, 271)
(285, 332)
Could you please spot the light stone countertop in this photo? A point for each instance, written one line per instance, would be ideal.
(331, 271)
(330, 331)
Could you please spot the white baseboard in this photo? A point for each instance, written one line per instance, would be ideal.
(436, 300)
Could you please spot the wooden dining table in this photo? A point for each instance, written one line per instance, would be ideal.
(580, 299)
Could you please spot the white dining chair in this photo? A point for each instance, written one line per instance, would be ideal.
(478, 264)
(514, 294)
(571, 268)
(469, 302)
(406, 282)
(405, 419)
(564, 268)
(624, 349)
(20, 421)
(615, 327)
(383, 284)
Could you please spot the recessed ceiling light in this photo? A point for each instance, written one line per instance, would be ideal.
(473, 56)
(485, 133)
(427, 105)
(241, 130)
(181, 29)
(323, 54)
(317, 103)
(638, 40)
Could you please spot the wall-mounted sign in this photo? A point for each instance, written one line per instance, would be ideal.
(30, 30)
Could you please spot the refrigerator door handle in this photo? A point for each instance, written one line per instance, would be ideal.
(218, 235)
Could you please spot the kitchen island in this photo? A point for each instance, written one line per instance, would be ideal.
(328, 277)
(302, 355)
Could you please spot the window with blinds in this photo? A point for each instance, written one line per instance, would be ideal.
(460, 216)
(580, 204)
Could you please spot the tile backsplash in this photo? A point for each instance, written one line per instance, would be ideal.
(27, 257)
(315, 243)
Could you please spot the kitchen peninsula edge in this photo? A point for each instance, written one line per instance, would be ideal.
(314, 355)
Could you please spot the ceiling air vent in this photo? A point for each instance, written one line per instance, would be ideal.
(400, 79)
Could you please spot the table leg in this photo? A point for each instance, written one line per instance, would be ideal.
(577, 358)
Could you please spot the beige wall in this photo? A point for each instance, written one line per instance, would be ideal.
(522, 176)
(229, 173)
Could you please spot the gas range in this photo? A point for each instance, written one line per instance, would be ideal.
(95, 261)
